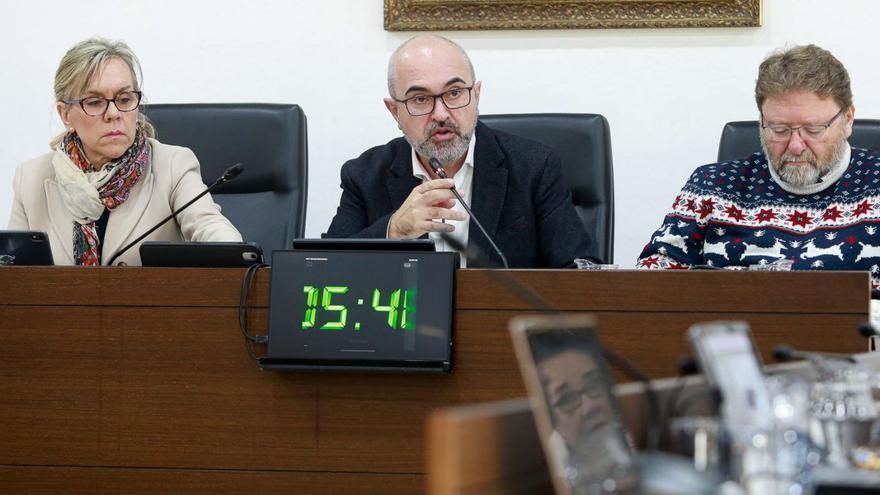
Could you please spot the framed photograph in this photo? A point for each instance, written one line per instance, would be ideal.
(466, 15)
(578, 419)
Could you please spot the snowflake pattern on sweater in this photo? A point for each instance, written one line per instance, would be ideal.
(734, 214)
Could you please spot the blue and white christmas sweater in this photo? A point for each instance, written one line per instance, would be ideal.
(736, 214)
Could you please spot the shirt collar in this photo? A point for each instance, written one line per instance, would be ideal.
(420, 173)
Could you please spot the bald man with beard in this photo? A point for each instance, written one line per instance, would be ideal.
(513, 185)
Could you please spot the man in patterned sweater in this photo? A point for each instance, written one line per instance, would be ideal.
(808, 197)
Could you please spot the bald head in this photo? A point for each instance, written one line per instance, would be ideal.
(425, 48)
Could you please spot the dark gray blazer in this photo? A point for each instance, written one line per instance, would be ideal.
(517, 194)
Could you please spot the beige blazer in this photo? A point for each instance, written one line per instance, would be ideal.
(171, 179)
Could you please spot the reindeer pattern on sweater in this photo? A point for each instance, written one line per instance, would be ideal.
(734, 214)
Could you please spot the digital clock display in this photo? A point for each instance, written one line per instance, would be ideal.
(329, 315)
(366, 308)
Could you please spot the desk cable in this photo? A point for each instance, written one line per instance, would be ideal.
(247, 286)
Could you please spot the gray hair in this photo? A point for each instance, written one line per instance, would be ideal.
(80, 64)
(392, 62)
(806, 68)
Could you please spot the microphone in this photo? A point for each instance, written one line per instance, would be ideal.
(867, 330)
(533, 299)
(785, 353)
(438, 169)
(230, 173)
(688, 366)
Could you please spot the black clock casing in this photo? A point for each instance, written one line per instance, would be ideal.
(366, 310)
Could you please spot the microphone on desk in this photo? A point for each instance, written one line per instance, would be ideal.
(870, 332)
(867, 330)
(688, 366)
(438, 169)
(785, 353)
(229, 174)
(533, 299)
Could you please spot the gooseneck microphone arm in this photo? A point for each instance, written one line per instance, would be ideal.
(533, 299)
(230, 173)
(438, 169)
(785, 353)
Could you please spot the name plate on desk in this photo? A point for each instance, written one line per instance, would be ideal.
(367, 310)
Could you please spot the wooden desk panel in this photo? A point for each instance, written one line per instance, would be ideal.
(114, 481)
(655, 341)
(671, 291)
(117, 375)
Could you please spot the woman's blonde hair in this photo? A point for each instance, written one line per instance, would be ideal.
(80, 64)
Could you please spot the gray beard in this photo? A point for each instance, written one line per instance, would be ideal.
(446, 152)
(802, 176)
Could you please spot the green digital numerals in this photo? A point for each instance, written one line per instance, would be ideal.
(398, 314)
(391, 308)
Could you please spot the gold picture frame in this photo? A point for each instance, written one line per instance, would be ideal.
(455, 15)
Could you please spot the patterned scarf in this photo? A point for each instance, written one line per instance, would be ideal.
(123, 174)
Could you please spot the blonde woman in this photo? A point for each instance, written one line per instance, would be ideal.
(107, 179)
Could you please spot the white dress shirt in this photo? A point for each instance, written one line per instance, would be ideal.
(463, 180)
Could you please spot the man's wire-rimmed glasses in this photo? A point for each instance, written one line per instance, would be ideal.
(778, 133)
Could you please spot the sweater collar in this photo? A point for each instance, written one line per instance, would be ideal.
(824, 182)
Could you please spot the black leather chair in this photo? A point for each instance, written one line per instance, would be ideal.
(740, 139)
(583, 143)
(267, 202)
